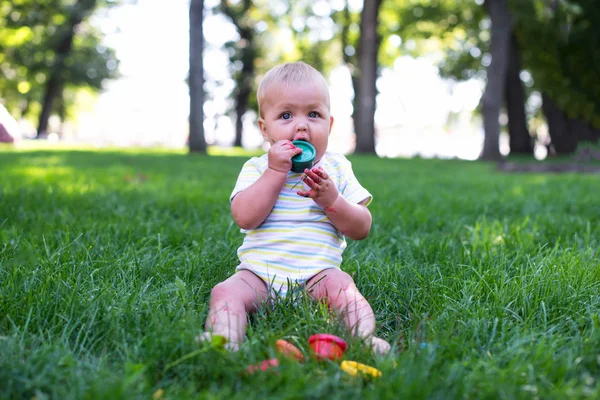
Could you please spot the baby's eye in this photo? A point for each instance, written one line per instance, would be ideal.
(286, 115)
(313, 114)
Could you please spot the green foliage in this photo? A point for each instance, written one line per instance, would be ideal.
(30, 33)
(348, 36)
(560, 47)
(283, 31)
(348, 33)
(311, 35)
(287, 31)
(244, 52)
(456, 29)
(107, 260)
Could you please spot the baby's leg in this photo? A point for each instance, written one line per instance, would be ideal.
(230, 300)
(338, 289)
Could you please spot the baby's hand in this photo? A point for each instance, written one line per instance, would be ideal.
(280, 155)
(323, 191)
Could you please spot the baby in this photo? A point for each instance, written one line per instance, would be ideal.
(294, 234)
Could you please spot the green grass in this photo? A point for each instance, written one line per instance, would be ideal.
(107, 260)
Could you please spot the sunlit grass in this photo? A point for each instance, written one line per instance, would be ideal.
(233, 151)
(487, 284)
(44, 145)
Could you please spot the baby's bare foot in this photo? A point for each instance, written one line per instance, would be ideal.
(378, 345)
(217, 341)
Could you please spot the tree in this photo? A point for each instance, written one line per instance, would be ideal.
(560, 48)
(349, 41)
(459, 28)
(361, 36)
(54, 85)
(255, 21)
(245, 52)
(196, 142)
(493, 95)
(368, 50)
(44, 62)
(520, 140)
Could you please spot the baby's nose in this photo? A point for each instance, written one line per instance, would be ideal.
(301, 127)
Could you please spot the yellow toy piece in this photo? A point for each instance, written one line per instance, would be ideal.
(353, 368)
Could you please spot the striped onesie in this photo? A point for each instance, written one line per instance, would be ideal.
(297, 240)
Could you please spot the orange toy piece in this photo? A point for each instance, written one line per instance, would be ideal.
(328, 346)
(289, 350)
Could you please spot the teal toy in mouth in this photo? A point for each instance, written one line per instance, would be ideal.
(305, 159)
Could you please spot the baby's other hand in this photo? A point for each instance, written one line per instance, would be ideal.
(322, 189)
(280, 155)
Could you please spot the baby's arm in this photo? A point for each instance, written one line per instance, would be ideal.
(251, 206)
(353, 220)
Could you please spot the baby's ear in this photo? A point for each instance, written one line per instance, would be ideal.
(330, 123)
(263, 129)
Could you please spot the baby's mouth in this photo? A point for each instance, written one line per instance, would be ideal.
(301, 137)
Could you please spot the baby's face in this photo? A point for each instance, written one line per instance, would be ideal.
(297, 113)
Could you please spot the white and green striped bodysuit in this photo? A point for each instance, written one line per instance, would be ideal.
(297, 240)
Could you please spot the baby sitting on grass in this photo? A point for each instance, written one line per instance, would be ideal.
(294, 234)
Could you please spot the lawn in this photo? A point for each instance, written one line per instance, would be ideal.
(486, 283)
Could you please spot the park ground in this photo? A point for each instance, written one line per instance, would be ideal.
(487, 283)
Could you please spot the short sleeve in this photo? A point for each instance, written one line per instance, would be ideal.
(249, 174)
(350, 188)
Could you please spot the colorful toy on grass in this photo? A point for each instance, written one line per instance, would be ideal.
(324, 346)
(328, 346)
(283, 347)
(332, 347)
(289, 350)
(263, 366)
(354, 368)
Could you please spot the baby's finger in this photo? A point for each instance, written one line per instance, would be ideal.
(304, 193)
(316, 178)
(309, 181)
(321, 173)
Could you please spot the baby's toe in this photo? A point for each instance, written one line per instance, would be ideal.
(218, 341)
(203, 337)
(379, 346)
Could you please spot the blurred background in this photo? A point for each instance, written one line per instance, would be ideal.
(469, 79)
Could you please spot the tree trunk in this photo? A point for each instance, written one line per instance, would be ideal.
(52, 91)
(356, 105)
(54, 83)
(248, 53)
(196, 142)
(350, 61)
(367, 93)
(496, 78)
(566, 133)
(61, 110)
(245, 82)
(241, 106)
(520, 140)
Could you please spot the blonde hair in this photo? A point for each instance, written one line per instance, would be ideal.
(294, 73)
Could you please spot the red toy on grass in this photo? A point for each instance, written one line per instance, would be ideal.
(328, 346)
